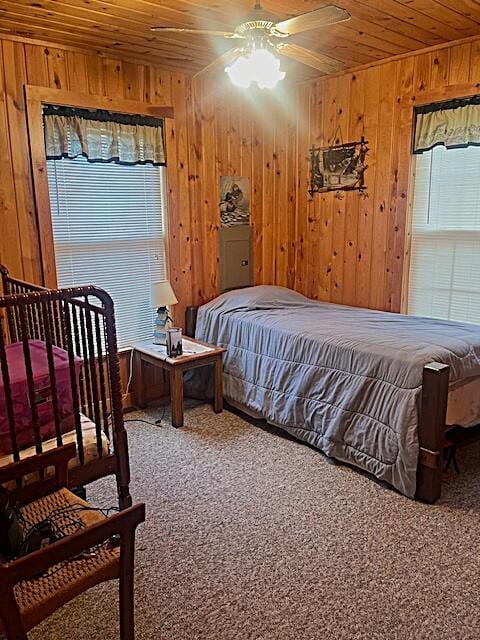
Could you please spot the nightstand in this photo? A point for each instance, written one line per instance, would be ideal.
(195, 354)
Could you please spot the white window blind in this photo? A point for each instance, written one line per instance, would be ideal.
(109, 230)
(445, 254)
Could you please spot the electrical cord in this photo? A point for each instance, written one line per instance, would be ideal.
(61, 522)
(127, 392)
(130, 376)
(157, 422)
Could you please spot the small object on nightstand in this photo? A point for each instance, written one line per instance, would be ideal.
(162, 296)
(174, 342)
(195, 354)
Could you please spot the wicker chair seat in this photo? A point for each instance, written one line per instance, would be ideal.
(41, 596)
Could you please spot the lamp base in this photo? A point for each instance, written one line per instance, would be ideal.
(161, 324)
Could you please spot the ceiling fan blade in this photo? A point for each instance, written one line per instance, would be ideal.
(218, 64)
(198, 32)
(319, 61)
(329, 14)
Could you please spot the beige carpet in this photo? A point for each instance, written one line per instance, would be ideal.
(250, 535)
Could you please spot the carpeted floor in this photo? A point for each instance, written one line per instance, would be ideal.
(250, 535)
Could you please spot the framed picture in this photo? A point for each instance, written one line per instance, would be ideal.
(234, 201)
(338, 168)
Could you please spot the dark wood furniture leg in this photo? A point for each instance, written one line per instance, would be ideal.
(176, 394)
(431, 431)
(139, 383)
(11, 618)
(126, 596)
(218, 397)
(191, 321)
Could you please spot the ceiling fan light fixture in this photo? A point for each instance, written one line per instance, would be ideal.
(240, 73)
(266, 68)
(259, 66)
(256, 61)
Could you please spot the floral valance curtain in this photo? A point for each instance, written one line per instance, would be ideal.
(451, 124)
(102, 136)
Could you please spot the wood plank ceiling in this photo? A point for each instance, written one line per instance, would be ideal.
(378, 28)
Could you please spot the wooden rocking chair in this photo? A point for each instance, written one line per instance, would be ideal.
(35, 585)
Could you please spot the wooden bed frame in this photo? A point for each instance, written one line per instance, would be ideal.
(81, 321)
(432, 424)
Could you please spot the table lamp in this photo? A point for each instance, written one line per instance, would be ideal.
(162, 295)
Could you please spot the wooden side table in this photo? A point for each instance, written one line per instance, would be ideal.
(196, 354)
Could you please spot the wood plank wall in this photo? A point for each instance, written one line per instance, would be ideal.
(240, 134)
(351, 250)
(213, 134)
(217, 131)
(71, 70)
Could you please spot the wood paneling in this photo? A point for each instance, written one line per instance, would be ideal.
(55, 68)
(352, 250)
(216, 130)
(348, 250)
(104, 80)
(233, 133)
(378, 29)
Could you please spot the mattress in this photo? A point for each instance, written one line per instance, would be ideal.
(43, 391)
(463, 408)
(90, 449)
(346, 380)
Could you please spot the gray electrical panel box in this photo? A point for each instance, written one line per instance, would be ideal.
(236, 269)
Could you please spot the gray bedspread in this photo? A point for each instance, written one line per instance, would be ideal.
(344, 379)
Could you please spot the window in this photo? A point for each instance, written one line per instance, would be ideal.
(109, 230)
(445, 252)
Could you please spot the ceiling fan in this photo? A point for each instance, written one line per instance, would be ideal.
(263, 36)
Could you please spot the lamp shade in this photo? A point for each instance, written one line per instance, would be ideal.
(162, 294)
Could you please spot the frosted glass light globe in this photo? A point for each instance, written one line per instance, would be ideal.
(266, 68)
(240, 72)
(259, 66)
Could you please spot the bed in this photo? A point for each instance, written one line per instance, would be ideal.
(366, 387)
(60, 380)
